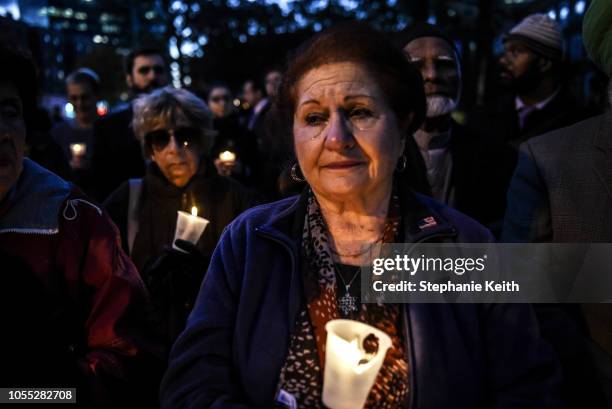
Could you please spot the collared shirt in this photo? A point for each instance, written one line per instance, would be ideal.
(525, 110)
(256, 111)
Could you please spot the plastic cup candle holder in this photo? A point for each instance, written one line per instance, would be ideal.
(189, 227)
(350, 370)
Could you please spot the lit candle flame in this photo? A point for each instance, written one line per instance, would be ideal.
(227, 156)
(78, 149)
(194, 211)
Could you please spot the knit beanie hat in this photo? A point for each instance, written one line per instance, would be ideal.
(419, 30)
(540, 34)
(597, 34)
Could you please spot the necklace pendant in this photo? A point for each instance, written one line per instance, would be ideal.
(347, 303)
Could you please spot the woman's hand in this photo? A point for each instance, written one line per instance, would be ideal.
(225, 168)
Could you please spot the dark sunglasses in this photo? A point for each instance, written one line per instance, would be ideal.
(218, 98)
(144, 70)
(185, 138)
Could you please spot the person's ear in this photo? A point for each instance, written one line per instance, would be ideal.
(129, 80)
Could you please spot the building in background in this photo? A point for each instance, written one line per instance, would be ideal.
(67, 34)
(232, 40)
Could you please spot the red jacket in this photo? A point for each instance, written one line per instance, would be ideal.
(73, 247)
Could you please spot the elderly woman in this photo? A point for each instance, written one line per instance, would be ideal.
(282, 271)
(175, 130)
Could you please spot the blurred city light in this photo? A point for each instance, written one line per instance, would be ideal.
(349, 4)
(69, 110)
(564, 13)
(12, 9)
(102, 108)
(174, 51)
(188, 48)
(580, 7)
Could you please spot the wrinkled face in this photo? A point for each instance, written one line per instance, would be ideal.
(12, 137)
(219, 102)
(519, 66)
(273, 83)
(439, 67)
(178, 160)
(347, 138)
(83, 99)
(148, 73)
(250, 94)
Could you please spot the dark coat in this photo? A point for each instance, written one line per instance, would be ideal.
(117, 155)
(481, 173)
(561, 191)
(233, 137)
(498, 120)
(231, 354)
(272, 133)
(218, 199)
(94, 308)
(174, 277)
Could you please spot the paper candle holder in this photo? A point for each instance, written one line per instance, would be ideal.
(347, 382)
(227, 157)
(189, 227)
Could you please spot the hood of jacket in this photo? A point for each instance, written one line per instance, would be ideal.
(35, 202)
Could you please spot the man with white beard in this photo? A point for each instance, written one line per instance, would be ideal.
(462, 170)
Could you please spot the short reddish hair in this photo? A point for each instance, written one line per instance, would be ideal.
(361, 44)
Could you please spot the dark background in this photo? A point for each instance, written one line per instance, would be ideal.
(232, 40)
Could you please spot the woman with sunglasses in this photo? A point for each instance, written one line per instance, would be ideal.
(174, 128)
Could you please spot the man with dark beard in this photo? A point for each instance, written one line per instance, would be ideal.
(462, 170)
(531, 69)
(116, 154)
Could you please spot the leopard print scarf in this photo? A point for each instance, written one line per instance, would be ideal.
(302, 375)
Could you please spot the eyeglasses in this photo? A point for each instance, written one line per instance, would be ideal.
(145, 69)
(186, 138)
(219, 98)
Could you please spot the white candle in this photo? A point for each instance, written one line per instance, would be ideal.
(189, 227)
(227, 157)
(350, 371)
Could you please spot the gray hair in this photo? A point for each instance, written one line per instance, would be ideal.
(166, 105)
(85, 75)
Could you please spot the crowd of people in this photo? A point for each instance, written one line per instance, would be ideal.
(352, 144)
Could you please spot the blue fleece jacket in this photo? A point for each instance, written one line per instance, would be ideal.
(460, 355)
